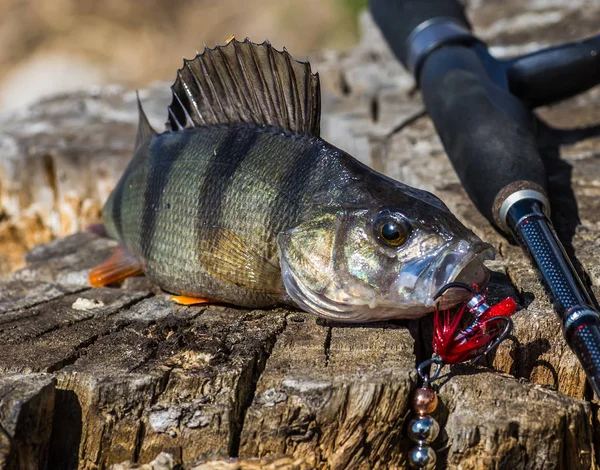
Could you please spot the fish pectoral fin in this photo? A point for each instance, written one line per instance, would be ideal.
(117, 268)
(186, 300)
(227, 256)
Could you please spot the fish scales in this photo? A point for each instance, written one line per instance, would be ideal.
(222, 177)
(241, 201)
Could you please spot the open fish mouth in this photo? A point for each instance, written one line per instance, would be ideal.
(457, 266)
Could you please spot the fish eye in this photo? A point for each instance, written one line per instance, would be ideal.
(391, 231)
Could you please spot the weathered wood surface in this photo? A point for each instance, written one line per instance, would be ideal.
(135, 375)
(91, 378)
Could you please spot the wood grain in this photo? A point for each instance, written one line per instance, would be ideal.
(122, 377)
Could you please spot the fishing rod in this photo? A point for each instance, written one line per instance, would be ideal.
(481, 108)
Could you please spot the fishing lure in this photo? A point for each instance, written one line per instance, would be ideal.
(489, 326)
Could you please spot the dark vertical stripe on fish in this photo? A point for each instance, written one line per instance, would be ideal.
(299, 179)
(160, 163)
(234, 147)
(303, 173)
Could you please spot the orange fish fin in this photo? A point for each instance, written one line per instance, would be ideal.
(186, 300)
(118, 267)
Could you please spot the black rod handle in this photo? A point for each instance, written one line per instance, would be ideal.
(398, 19)
(556, 73)
(486, 131)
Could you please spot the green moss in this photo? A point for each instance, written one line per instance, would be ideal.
(354, 6)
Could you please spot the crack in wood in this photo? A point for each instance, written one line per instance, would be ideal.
(139, 440)
(327, 345)
(345, 87)
(246, 395)
(80, 349)
(41, 302)
(71, 358)
(374, 108)
(406, 123)
(51, 176)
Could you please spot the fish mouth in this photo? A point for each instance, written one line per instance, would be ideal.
(465, 264)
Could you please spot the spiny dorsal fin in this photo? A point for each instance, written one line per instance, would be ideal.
(244, 82)
(144, 131)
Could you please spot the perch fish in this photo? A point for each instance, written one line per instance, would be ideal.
(240, 201)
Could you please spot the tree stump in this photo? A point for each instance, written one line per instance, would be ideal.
(122, 377)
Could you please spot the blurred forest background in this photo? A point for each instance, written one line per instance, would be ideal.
(49, 46)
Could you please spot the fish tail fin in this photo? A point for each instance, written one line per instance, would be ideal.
(245, 82)
(107, 217)
(111, 213)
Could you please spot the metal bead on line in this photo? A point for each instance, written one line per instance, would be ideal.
(422, 457)
(423, 430)
(425, 401)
